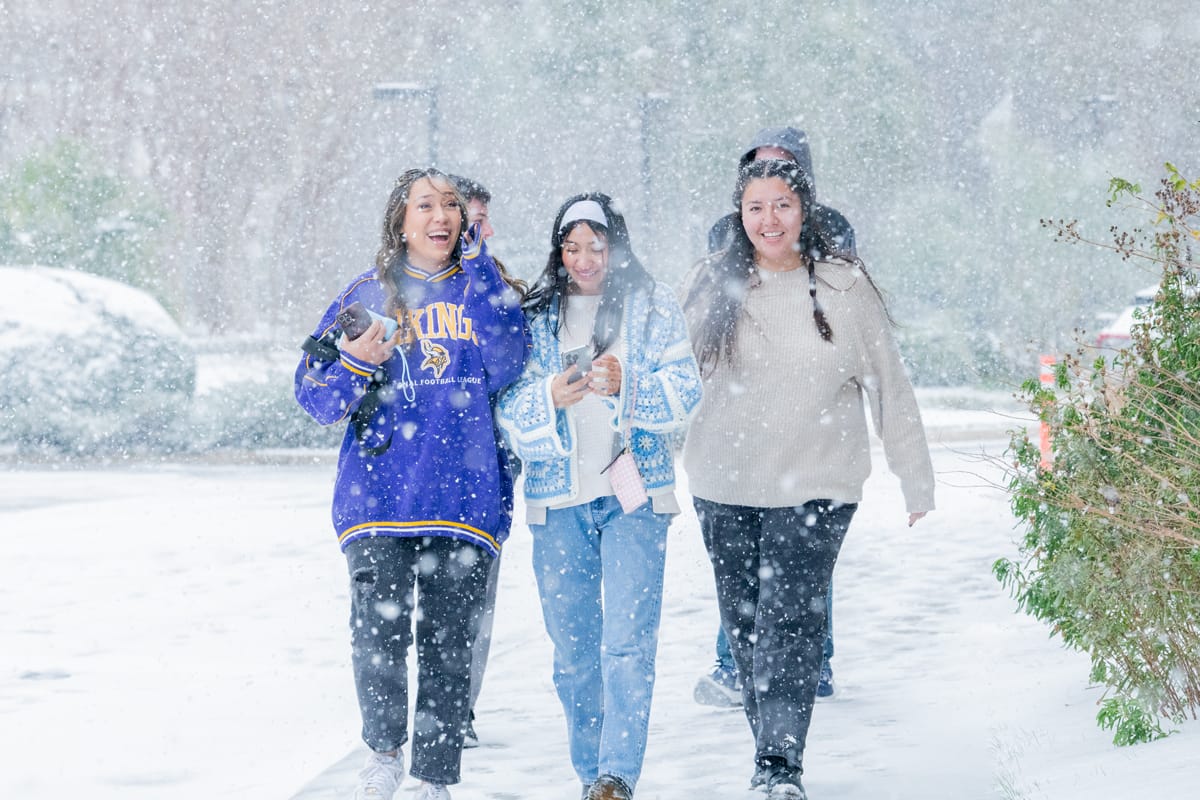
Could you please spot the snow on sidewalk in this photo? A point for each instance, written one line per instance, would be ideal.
(943, 691)
(179, 631)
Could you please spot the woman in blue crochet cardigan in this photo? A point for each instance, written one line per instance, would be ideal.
(567, 427)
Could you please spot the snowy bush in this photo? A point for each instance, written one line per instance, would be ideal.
(91, 365)
(244, 399)
(1111, 554)
(953, 353)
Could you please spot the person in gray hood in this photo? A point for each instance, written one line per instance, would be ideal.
(790, 144)
(721, 685)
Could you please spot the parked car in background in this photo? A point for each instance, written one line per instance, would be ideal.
(1115, 336)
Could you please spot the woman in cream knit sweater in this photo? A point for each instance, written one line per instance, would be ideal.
(788, 345)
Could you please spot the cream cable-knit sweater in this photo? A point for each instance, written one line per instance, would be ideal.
(785, 423)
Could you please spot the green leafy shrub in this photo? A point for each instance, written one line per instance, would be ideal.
(1110, 558)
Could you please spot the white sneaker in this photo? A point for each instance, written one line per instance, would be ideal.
(380, 776)
(432, 791)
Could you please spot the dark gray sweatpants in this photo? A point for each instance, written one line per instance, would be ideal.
(772, 568)
(450, 577)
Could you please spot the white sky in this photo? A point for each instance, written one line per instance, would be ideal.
(175, 631)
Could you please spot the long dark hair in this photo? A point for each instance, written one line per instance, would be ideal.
(725, 277)
(623, 274)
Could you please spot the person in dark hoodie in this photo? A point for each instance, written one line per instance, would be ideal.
(419, 499)
(721, 685)
(478, 211)
(790, 144)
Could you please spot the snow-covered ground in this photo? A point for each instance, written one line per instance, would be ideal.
(179, 631)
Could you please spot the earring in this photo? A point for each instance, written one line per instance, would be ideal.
(404, 237)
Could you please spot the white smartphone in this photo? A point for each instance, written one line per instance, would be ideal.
(581, 357)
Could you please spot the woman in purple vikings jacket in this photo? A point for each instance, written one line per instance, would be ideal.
(421, 498)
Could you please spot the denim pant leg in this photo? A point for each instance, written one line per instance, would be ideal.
(603, 653)
(566, 564)
(451, 583)
(381, 602)
(731, 536)
(633, 549)
(798, 550)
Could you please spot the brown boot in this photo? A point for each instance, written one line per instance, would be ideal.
(610, 787)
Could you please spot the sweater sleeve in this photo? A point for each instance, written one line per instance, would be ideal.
(532, 426)
(893, 403)
(499, 323)
(329, 390)
(668, 387)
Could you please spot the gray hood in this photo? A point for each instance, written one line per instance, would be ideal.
(793, 140)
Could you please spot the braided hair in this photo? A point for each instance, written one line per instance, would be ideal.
(725, 277)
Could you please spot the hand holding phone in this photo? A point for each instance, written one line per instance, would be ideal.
(471, 235)
(367, 336)
(581, 359)
(569, 387)
(355, 318)
(472, 242)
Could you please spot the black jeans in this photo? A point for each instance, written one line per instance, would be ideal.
(450, 578)
(772, 568)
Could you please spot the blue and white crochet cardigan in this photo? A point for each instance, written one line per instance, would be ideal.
(658, 356)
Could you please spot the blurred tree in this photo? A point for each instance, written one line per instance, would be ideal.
(256, 125)
(61, 209)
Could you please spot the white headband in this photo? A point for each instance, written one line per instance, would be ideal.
(588, 210)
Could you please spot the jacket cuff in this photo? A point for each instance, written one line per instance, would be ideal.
(561, 448)
(358, 367)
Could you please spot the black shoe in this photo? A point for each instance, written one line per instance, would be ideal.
(783, 780)
(610, 787)
(759, 779)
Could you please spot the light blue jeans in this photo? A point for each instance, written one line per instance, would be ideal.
(604, 649)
